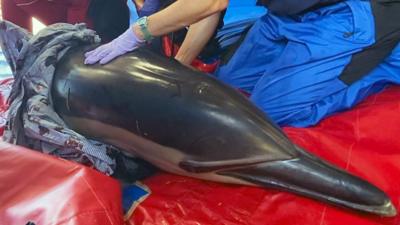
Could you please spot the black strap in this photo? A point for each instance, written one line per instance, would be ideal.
(229, 51)
(387, 28)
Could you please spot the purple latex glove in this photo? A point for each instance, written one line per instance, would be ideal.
(149, 7)
(128, 41)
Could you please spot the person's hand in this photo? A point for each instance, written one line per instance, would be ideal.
(126, 42)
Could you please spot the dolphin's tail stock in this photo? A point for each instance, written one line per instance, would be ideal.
(306, 175)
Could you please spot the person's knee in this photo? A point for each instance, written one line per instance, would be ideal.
(283, 110)
(271, 109)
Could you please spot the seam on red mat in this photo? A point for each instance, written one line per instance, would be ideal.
(374, 99)
(357, 131)
(357, 137)
(258, 207)
(349, 156)
(98, 200)
(323, 216)
(91, 212)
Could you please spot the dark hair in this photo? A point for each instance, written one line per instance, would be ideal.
(110, 18)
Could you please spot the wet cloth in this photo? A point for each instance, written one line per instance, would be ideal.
(291, 65)
(32, 121)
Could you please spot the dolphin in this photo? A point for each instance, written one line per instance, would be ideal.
(189, 123)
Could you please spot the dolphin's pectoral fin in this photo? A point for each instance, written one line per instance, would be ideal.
(318, 180)
(197, 166)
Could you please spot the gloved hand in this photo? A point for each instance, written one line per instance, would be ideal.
(149, 7)
(128, 41)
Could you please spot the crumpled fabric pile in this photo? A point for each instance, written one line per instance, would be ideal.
(32, 121)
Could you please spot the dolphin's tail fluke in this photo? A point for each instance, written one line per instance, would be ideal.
(306, 175)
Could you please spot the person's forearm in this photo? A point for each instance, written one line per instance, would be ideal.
(197, 37)
(180, 14)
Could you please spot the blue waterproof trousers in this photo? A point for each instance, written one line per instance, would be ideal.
(291, 65)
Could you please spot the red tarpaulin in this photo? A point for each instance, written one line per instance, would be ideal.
(363, 141)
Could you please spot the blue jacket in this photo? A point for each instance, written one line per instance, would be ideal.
(290, 7)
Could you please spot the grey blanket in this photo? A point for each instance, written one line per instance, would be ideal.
(32, 121)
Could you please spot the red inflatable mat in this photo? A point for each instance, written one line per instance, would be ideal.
(364, 141)
(44, 190)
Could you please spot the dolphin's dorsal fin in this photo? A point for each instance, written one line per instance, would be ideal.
(12, 39)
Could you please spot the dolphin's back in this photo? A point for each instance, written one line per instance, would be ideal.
(163, 101)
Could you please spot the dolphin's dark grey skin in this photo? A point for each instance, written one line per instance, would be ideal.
(189, 123)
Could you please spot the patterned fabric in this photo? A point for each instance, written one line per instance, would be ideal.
(32, 121)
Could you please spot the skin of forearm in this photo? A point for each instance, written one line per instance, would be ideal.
(196, 38)
(180, 14)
